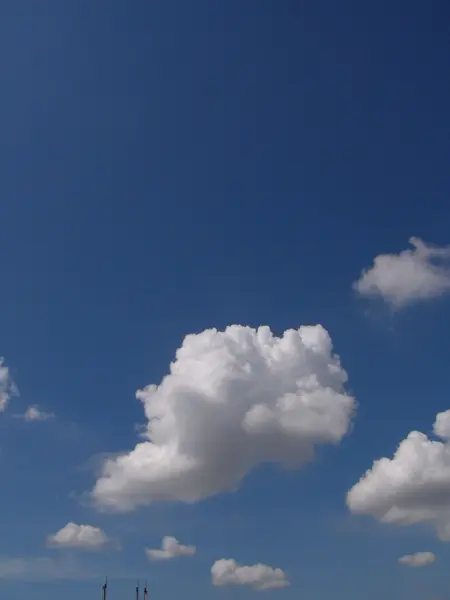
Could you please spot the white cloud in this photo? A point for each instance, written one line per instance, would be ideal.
(83, 537)
(420, 559)
(260, 577)
(412, 487)
(233, 399)
(34, 413)
(407, 277)
(441, 426)
(7, 387)
(171, 548)
(41, 569)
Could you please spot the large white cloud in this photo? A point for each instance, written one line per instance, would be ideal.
(419, 559)
(233, 399)
(260, 577)
(7, 387)
(170, 548)
(83, 537)
(413, 486)
(407, 277)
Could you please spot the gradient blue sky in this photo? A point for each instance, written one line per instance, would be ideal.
(170, 166)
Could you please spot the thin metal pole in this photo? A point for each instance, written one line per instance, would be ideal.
(104, 589)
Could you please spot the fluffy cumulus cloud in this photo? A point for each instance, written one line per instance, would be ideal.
(233, 399)
(170, 548)
(7, 387)
(413, 486)
(441, 426)
(410, 276)
(260, 577)
(34, 413)
(84, 537)
(419, 559)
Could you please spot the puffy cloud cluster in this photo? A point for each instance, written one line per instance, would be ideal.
(407, 277)
(233, 399)
(419, 559)
(260, 577)
(413, 486)
(7, 387)
(170, 548)
(84, 537)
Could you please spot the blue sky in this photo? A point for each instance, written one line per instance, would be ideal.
(168, 167)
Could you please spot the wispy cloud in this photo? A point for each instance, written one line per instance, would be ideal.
(42, 569)
(34, 413)
(419, 559)
(7, 386)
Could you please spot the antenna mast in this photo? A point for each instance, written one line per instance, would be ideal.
(104, 589)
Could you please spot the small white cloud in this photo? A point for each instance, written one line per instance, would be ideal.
(420, 559)
(34, 413)
(170, 548)
(260, 577)
(41, 569)
(232, 400)
(7, 386)
(410, 276)
(413, 486)
(84, 537)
